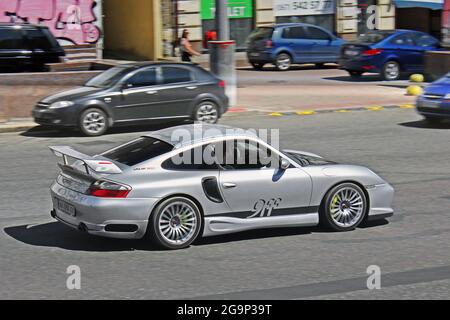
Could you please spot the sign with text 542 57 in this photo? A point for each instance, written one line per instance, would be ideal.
(303, 7)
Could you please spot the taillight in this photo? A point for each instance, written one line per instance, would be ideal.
(108, 189)
(221, 84)
(371, 52)
(269, 44)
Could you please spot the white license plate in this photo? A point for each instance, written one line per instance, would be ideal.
(66, 208)
(351, 53)
(254, 54)
(430, 104)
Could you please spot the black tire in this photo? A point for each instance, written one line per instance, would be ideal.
(157, 236)
(433, 120)
(283, 62)
(391, 71)
(325, 212)
(257, 65)
(207, 112)
(355, 74)
(102, 122)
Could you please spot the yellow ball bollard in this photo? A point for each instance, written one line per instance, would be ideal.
(414, 90)
(416, 78)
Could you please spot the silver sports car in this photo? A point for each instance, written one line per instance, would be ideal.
(180, 183)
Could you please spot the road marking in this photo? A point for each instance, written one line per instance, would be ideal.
(306, 113)
(276, 114)
(375, 108)
(342, 111)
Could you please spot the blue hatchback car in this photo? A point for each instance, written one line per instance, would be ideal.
(434, 103)
(387, 52)
(288, 43)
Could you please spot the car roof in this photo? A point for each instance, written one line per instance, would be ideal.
(143, 64)
(21, 25)
(294, 24)
(197, 133)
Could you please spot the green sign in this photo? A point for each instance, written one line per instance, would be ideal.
(237, 9)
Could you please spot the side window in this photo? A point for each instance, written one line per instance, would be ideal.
(143, 78)
(175, 75)
(294, 33)
(11, 39)
(245, 155)
(200, 158)
(403, 40)
(424, 40)
(38, 40)
(317, 34)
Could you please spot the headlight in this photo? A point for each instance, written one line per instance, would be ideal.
(61, 104)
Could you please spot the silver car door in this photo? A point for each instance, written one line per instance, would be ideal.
(255, 190)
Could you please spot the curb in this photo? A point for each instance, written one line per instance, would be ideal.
(7, 128)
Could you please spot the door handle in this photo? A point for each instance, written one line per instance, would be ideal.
(229, 185)
(191, 88)
(151, 92)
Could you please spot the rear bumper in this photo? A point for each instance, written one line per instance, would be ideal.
(259, 57)
(364, 65)
(113, 218)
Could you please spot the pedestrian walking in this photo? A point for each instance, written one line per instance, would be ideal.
(186, 47)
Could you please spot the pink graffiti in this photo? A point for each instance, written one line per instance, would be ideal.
(71, 20)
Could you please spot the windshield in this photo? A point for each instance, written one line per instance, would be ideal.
(108, 78)
(261, 34)
(373, 37)
(138, 151)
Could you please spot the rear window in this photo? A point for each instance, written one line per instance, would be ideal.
(261, 34)
(39, 40)
(374, 37)
(138, 151)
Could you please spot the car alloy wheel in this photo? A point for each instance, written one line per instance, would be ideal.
(176, 223)
(207, 112)
(94, 122)
(283, 62)
(391, 71)
(344, 208)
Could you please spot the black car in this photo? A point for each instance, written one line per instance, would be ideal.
(134, 94)
(27, 47)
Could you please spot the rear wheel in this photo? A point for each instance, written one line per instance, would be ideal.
(175, 223)
(391, 71)
(93, 122)
(344, 207)
(283, 62)
(207, 112)
(355, 74)
(257, 65)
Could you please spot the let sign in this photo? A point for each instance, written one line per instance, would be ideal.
(237, 9)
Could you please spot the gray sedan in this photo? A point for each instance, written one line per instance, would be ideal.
(136, 93)
(180, 183)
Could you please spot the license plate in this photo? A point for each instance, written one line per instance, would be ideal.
(351, 53)
(66, 208)
(254, 54)
(430, 104)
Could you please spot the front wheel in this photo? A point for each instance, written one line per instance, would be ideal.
(175, 223)
(391, 71)
(257, 66)
(283, 62)
(355, 74)
(207, 112)
(93, 122)
(344, 207)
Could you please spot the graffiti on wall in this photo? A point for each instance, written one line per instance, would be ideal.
(72, 20)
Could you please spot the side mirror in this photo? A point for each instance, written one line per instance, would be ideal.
(284, 164)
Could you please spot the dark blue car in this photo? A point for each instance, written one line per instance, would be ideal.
(434, 103)
(387, 52)
(288, 43)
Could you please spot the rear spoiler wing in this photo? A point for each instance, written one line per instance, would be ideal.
(92, 166)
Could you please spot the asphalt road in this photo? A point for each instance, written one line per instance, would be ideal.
(412, 248)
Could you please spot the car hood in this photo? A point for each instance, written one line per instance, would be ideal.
(439, 87)
(71, 94)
